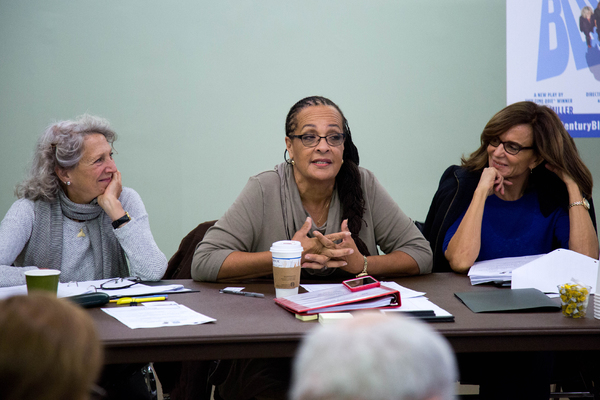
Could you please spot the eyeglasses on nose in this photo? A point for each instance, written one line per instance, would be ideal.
(312, 140)
(511, 148)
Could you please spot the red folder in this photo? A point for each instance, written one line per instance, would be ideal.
(340, 299)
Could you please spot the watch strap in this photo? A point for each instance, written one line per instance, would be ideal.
(125, 218)
(364, 271)
(583, 203)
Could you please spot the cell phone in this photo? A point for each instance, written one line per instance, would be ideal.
(362, 283)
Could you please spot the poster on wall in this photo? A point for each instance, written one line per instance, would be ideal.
(553, 58)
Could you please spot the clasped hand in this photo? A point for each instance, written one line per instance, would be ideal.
(329, 251)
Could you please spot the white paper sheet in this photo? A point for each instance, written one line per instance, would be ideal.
(556, 268)
(157, 314)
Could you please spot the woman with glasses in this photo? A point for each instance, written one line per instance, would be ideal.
(525, 191)
(320, 197)
(74, 215)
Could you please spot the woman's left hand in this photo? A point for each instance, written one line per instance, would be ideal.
(352, 261)
(109, 200)
(355, 260)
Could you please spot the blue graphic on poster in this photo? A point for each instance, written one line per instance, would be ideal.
(553, 58)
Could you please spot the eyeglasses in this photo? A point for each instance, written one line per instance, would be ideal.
(120, 283)
(511, 148)
(312, 140)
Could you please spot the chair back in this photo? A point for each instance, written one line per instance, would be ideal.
(180, 265)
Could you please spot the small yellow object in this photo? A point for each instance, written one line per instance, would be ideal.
(574, 299)
(81, 234)
(310, 317)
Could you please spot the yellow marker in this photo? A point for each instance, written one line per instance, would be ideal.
(130, 300)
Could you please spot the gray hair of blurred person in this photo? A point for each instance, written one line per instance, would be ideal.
(60, 145)
(375, 357)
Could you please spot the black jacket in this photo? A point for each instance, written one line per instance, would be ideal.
(455, 193)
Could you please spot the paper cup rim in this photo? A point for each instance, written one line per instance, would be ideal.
(286, 246)
(42, 272)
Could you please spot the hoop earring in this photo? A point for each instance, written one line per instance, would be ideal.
(289, 161)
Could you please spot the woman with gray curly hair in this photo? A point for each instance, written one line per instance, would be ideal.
(74, 215)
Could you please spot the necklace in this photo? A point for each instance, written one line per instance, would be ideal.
(325, 209)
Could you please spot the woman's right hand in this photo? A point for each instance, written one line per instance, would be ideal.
(321, 251)
(491, 181)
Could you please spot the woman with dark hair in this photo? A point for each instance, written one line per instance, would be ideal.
(525, 191)
(74, 215)
(322, 198)
(319, 196)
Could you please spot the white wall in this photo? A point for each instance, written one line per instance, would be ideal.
(199, 90)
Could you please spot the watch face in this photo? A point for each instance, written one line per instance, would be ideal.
(586, 203)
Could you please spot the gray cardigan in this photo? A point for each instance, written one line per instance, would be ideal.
(255, 221)
(145, 258)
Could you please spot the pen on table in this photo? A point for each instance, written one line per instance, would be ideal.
(247, 294)
(136, 300)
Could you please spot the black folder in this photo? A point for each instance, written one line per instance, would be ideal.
(507, 300)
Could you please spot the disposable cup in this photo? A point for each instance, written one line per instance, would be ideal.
(574, 299)
(287, 256)
(42, 279)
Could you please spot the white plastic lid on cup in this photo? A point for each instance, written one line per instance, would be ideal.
(287, 249)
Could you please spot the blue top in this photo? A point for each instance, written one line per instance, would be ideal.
(517, 228)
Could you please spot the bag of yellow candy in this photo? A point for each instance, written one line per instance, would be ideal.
(574, 299)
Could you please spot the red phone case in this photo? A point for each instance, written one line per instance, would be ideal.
(362, 287)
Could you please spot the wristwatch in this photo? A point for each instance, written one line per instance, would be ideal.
(364, 271)
(583, 203)
(125, 218)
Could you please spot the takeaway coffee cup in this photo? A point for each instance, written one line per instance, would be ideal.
(42, 279)
(287, 255)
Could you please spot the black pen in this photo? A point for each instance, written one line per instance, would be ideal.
(247, 294)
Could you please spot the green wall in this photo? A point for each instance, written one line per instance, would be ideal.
(199, 90)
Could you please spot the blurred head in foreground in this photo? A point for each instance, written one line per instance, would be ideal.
(49, 349)
(375, 357)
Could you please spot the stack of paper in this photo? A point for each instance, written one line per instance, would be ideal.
(413, 302)
(339, 298)
(498, 270)
(77, 288)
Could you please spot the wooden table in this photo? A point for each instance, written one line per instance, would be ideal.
(249, 327)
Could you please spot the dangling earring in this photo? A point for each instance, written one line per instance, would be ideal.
(287, 160)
